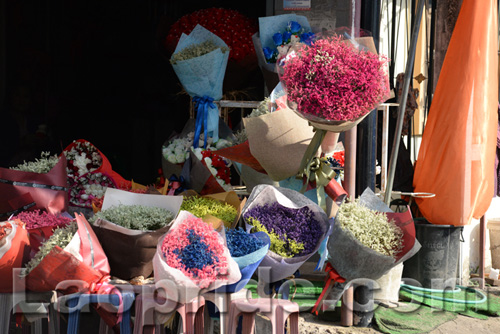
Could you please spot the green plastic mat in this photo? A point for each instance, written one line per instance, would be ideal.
(454, 302)
(304, 296)
(410, 319)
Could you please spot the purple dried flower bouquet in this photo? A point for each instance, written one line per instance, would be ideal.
(292, 231)
(295, 225)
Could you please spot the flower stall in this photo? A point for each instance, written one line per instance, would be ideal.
(261, 217)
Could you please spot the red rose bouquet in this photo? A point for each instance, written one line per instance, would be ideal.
(234, 28)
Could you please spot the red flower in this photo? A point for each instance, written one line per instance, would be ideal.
(231, 26)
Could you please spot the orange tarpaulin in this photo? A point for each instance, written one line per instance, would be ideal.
(457, 153)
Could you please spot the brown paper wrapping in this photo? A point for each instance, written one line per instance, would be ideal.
(278, 141)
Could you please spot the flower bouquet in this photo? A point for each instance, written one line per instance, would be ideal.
(335, 82)
(235, 29)
(295, 225)
(200, 61)
(220, 209)
(89, 173)
(40, 225)
(248, 250)
(40, 184)
(266, 47)
(129, 226)
(277, 139)
(367, 240)
(14, 251)
(72, 254)
(192, 258)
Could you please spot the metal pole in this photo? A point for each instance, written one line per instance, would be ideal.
(402, 102)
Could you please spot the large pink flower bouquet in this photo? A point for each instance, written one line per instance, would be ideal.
(334, 83)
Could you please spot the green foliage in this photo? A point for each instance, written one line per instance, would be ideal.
(372, 229)
(136, 217)
(283, 246)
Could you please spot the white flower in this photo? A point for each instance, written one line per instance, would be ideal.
(81, 162)
(222, 143)
(172, 158)
(180, 158)
(179, 149)
(197, 152)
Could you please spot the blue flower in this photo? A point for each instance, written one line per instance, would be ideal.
(286, 37)
(307, 38)
(278, 39)
(294, 27)
(268, 53)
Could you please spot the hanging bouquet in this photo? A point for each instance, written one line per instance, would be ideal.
(366, 241)
(276, 139)
(334, 82)
(40, 184)
(275, 36)
(129, 226)
(293, 34)
(89, 173)
(192, 258)
(200, 61)
(295, 225)
(14, 251)
(40, 225)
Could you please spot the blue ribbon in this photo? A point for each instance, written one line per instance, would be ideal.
(202, 104)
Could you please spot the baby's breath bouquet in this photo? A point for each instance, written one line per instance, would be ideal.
(129, 226)
(200, 61)
(368, 239)
(38, 184)
(42, 165)
(136, 217)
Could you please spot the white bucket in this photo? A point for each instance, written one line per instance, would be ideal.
(494, 228)
(389, 285)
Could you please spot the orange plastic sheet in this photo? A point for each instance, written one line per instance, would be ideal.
(457, 153)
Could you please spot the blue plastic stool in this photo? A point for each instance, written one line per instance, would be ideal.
(77, 301)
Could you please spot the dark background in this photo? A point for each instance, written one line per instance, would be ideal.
(99, 70)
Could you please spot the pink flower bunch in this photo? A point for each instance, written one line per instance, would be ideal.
(334, 81)
(194, 248)
(35, 219)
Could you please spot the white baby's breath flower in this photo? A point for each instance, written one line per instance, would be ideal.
(172, 158)
(180, 158)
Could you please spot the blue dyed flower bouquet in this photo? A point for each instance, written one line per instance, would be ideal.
(295, 224)
(274, 31)
(248, 250)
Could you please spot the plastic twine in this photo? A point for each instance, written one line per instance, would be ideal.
(414, 290)
(316, 170)
(202, 104)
